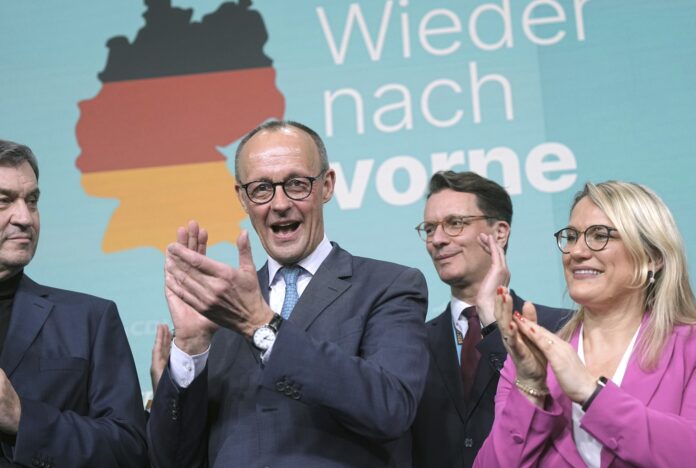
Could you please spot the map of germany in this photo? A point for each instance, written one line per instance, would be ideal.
(168, 100)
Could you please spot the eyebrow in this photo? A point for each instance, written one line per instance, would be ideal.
(14, 194)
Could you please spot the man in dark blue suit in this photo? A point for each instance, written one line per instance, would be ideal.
(69, 392)
(316, 360)
(466, 229)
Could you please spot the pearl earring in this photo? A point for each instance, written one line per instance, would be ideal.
(651, 277)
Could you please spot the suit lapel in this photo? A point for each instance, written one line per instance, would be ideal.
(329, 282)
(636, 381)
(29, 312)
(444, 353)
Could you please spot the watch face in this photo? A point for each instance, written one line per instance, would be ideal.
(264, 337)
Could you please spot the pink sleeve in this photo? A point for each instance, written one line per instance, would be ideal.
(662, 434)
(521, 431)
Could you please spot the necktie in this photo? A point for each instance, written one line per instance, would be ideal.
(470, 355)
(291, 296)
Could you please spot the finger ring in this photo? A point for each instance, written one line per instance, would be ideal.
(549, 341)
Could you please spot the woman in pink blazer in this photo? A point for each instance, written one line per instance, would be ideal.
(617, 385)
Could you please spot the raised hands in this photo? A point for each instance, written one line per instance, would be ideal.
(160, 354)
(530, 362)
(193, 330)
(223, 296)
(575, 380)
(497, 275)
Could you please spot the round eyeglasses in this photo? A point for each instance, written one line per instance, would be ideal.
(596, 237)
(295, 188)
(452, 225)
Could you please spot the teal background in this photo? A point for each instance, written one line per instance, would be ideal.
(622, 100)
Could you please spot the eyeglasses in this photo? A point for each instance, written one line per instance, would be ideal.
(295, 188)
(596, 237)
(452, 225)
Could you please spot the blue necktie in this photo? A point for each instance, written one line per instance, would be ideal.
(291, 296)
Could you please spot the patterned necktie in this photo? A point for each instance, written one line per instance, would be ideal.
(291, 296)
(470, 355)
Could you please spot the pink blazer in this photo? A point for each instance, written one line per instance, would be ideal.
(649, 421)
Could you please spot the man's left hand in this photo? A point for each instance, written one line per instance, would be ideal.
(230, 297)
(10, 408)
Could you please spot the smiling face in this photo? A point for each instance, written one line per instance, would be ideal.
(599, 280)
(19, 218)
(460, 260)
(289, 230)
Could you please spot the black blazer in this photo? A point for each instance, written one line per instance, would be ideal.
(449, 430)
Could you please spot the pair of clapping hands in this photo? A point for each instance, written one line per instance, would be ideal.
(531, 347)
(203, 295)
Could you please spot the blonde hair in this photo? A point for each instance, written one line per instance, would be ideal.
(649, 233)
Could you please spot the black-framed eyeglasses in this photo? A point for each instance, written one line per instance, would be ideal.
(452, 225)
(295, 188)
(596, 237)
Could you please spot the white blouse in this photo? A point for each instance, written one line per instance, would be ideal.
(589, 448)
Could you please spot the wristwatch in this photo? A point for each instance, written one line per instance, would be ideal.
(264, 336)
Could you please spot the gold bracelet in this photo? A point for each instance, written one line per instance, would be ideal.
(535, 392)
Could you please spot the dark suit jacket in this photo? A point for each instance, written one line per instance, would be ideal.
(69, 361)
(449, 430)
(341, 385)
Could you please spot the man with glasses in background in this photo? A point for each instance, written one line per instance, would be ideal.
(466, 229)
(317, 360)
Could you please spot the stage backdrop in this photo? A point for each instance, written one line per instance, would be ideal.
(134, 109)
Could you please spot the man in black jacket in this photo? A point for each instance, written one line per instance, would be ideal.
(465, 215)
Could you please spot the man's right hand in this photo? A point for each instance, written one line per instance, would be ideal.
(193, 331)
(497, 275)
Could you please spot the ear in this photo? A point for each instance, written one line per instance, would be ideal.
(655, 263)
(328, 185)
(242, 199)
(501, 232)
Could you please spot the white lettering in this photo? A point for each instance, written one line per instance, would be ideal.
(418, 180)
(329, 98)
(355, 14)
(550, 157)
(352, 198)
(404, 106)
(479, 161)
(528, 21)
(445, 161)
(506, 36)
(476, 89)
(424, 31)
(425, 103)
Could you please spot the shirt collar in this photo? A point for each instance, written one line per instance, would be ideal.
(456, 308)
(310, 263)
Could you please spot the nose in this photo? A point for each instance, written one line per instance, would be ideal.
(439, 237)
(280, 202)
(579, 250)
(22, 213)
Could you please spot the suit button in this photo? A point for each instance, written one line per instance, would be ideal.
(296, 395)
(289, 390)
(517, 438)
(281, 385)
(612, 444)
(468, 442)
